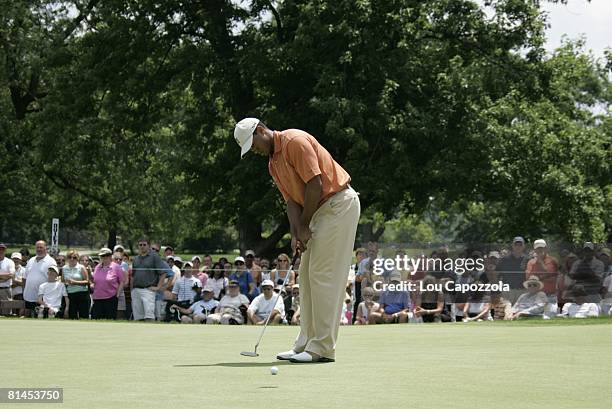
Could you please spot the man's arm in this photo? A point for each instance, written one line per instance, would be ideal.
(160, 283)
(312, 197)
(294, 212)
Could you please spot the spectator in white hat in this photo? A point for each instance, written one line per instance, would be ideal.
(532, 303)
(17, 286)
(184, 292)
(253, 267)
(231, 306)
(50, 295)
(546, 268)
(7, 272)
(124, 264)
(244, 278)
(265, 304)
(36, 273)
(200, 310)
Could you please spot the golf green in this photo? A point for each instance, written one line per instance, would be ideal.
(558, 364)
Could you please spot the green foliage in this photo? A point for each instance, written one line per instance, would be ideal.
(118, 116)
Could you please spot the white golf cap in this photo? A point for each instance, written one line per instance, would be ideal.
(118, 247)
(208, 288)
(539, 243)
(243, 133)
(267, 283)
(17, 256)
(105, 251)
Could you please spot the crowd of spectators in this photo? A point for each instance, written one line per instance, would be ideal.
(578, 284)
(154, 286)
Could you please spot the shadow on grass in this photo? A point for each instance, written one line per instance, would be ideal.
(245, 364)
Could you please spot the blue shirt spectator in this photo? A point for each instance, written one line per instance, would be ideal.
(394, 301)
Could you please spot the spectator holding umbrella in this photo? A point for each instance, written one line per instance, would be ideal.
(76, 279)
(107, 285)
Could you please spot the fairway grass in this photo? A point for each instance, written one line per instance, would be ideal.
(136, 365)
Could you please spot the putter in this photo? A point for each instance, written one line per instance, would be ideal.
(254, 353)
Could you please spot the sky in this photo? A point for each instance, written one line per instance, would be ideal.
(578, 17)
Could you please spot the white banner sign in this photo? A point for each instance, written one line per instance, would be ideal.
(55, 236)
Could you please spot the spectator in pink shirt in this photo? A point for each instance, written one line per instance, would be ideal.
(107, 285)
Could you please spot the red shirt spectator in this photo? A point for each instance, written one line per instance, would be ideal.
(544, 266)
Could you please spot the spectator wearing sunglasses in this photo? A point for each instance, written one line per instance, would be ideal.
(266, 304)
(108, 284)
(244, 279)
(149, 274)
(230, 307)
(281, 270)
(532, 303)
(76, 278)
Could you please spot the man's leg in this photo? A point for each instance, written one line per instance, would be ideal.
(213, 319)
(148, 301)
(306, 330)
(334, 227)
(137, 304)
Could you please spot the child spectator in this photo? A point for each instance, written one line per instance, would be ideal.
(200, 310)
(366, 307)
(50, 295)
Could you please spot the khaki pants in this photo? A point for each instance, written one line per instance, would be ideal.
(324, 272)
(143, 304)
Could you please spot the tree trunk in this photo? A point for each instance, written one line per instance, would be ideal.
(249, 234)
(369, 234)
(112, 237)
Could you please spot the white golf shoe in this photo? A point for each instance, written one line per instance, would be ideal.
(287, 355)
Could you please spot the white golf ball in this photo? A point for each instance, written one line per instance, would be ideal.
(274, 370)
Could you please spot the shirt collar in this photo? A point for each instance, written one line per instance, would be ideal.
(277, 142)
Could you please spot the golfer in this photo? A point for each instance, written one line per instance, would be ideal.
(323, 212)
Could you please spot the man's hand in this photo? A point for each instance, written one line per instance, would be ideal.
(303, 235)
(153, 288)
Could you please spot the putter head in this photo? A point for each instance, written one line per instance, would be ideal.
(249, 353)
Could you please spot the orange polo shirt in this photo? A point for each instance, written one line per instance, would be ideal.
(297, 158)
(551, 266)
